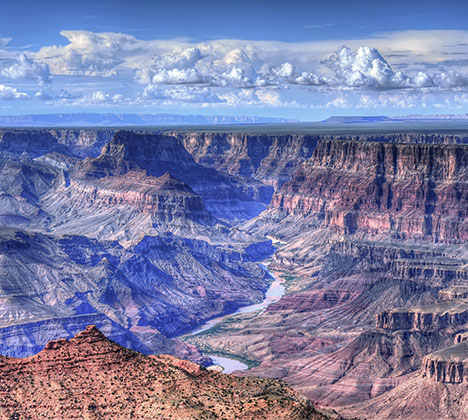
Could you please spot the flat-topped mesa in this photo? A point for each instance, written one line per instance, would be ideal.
(440, 315)
(449, 365)
(370, 188)
(165, 197)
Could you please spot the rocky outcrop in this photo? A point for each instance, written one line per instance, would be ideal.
(83, 142)
(165, 198)
(90, 376)
(402, 190)
(225, 196)
(449, 365)
(31, 143)
(22, 184)
(440, 315)
(453, 292)
(415, 399)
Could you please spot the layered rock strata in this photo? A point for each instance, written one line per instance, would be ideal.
(225, 196)
(402, 190)
(449, 365)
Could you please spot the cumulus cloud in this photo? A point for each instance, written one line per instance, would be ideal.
(183, 59)
(101, 97)
(177, 67)
(450, 79)
(365, 68)
(287, 72)
(234, 72)
(25, 68)
(89, 53)
(177, 76)
(9, 93)
(233, 68)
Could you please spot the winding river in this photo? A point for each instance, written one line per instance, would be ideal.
(274, 293)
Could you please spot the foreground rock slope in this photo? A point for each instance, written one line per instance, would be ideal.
(90, 377)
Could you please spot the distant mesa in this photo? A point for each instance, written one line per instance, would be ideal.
(397, 119)
(119, 120)
(357, 119)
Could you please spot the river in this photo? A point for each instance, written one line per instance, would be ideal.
(274, 293)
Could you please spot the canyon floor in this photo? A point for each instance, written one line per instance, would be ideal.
(150, 234)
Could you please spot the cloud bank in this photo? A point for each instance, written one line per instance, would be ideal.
(114, 69)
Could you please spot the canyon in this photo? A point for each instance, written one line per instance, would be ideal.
(148, 234)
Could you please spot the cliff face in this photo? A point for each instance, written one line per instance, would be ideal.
(441, 315)
(147, 204)
(225, 196)
(403, 190)
(89, 376)
(30, 142)
(363, 227)
(84, 142)
(269, 158)
(449, 365)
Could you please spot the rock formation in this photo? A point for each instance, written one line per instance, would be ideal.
(91, 377)
(225, 196)
(143, 239)
(362, 188)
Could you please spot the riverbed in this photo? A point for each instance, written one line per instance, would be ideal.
(274, 293)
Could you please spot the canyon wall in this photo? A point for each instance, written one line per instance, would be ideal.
(401, 190)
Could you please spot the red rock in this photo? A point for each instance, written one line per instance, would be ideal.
(90, 376)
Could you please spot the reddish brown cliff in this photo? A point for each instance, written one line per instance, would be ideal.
(165, 197)
(440, 315)
(272, 158)
(405, 190)
(449, 365)
(225, 196)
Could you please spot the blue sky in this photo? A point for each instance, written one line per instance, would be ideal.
(299, 59)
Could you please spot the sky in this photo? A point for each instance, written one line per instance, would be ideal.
(306, 60)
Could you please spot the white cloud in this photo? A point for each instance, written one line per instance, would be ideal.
(43, 96)
(4, 42)
(180, 94)
(89, 53)
(186, 58)
(339, 102)
(25, 68)
(177, 76)
(9, 93)
(365, 68)
(102, 97)
(450, 79)
(231, 72)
